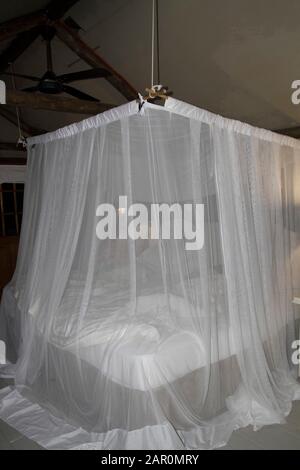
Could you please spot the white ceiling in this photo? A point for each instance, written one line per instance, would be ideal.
(234, 57)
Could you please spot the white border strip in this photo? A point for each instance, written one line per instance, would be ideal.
(192, 112)
(171, 105)
(114, 114)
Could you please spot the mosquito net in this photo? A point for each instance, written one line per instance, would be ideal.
(156, 340)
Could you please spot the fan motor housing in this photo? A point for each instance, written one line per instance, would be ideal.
(50, 84)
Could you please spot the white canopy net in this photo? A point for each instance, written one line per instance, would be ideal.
(144, 343)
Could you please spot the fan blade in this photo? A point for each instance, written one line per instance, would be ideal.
(30, 88)
(78, 94)
(29, 77)
(84, 75)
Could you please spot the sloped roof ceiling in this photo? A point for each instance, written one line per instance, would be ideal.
(237, 58)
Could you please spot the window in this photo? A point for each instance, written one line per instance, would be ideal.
(11, 208)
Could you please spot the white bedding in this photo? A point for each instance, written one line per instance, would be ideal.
(146, 349)
(140, 362)
(138, 345)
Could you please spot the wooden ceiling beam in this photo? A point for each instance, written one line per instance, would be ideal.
(57, 8)
(11, 117)
(54, 103)
(11, 147)
(72, 39)
(27, 28)
(13, 160)
(53, 11)
(291, 132)
(11, 28)
(18, 46)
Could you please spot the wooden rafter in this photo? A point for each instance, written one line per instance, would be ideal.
(13, 160)
(17, 47)
(54, 10)
(72, 39)
(54, 103)
(57, 8)
(291, 132)
(11, 146)
(27, 28)
(11, 28)
(11, 117)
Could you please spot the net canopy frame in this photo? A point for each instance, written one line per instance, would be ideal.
(142, 343)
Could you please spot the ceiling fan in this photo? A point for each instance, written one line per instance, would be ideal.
(51, 83)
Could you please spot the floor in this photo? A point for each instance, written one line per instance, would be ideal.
(275, 437)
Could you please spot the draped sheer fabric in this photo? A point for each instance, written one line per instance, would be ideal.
(143, 343)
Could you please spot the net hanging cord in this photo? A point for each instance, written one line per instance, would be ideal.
(155, 32)
(152, 44)
(155, 91)
(21, 139)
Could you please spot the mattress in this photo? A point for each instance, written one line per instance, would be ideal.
(141, 362)
(147, 349)
(142, 344)
(143, 350)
